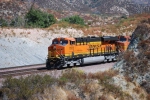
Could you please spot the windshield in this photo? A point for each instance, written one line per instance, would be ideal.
(55, 42)
(63, 42)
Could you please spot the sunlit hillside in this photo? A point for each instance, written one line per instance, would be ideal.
(107, 26)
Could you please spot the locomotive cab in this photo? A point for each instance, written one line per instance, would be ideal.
(59, 48)
(122, 43)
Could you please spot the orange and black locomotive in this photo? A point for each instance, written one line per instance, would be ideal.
(65, 52)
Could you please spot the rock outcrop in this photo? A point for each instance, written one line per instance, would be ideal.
(136, 60)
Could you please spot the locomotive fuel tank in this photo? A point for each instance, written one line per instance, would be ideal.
(90, 60)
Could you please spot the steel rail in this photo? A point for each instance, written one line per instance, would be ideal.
(21, 66)
(22, 70)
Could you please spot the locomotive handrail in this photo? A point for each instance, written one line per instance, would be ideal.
(60, 54)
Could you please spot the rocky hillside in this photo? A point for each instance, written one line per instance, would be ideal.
(61, 8)
(126, 7)
(136, 61)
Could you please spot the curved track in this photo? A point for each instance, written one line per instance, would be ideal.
(39, 68)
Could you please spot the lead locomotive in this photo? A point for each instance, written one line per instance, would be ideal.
(66, 52)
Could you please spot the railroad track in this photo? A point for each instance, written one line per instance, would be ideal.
(22, 70)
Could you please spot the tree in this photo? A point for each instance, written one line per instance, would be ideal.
(74, 20)
(37, 18)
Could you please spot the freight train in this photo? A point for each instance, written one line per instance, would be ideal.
(68, 52)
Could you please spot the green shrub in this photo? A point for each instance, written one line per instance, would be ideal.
(124, 17)
(3, 23)
(74, 20)
(18, 22)
(37, 18)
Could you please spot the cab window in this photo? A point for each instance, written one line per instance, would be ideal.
(72, 42)
(122, 38)
(63, 42)
(55, 42)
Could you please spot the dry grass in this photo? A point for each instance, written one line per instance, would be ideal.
(147, 54)
(24, 88)
(102, 76)
(103, 97)
(90, 87)
(65, 25)
(72, 75)
(121, 26)
(127, 55)
(142, 96)
(127, 78)
(92, 31)
(148, 97)
(97, 86)
(137, 90)
(71, 96)
(105, 80)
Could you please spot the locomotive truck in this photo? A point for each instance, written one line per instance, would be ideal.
(68, 52)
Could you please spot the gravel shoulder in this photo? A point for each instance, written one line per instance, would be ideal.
(96, 67)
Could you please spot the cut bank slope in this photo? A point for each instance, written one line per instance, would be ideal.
(20, 47)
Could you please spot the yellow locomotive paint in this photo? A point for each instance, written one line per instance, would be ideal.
(84, 50)
(89, 43)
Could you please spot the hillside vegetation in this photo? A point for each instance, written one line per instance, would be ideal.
(122, 7)
(72, 85)
(116, 25)
(13, 13)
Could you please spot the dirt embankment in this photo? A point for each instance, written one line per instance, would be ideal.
(29, 46)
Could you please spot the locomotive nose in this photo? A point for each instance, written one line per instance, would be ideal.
(54, 47)
(51, 51)
(55, 51)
